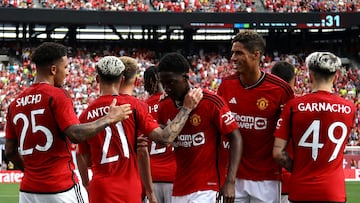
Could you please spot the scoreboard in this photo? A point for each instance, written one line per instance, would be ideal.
(316, 21)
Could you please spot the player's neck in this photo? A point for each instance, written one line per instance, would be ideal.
(251, 79)
(321, 87)
(109, 89)
(43, 80)
(127, 89)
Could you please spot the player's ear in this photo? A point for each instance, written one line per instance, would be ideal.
(97, 77)
(122, 80)
(186, 76)
(53, 69)
(257, 54)
(335, 78)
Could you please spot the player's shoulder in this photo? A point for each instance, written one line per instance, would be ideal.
(155, 97)
(213, 98)
(164, 98)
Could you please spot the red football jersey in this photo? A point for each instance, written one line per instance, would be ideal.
(256, 110)
(113, 154)
(37, 118)
(162, 158)
(319, 124)
(196, 146)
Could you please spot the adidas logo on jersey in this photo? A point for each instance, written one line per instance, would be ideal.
(232, 101)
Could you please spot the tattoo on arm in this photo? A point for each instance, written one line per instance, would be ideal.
(82, 132)
(174, 128)
(285, 161)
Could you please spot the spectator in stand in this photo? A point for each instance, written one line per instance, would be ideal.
(255, 98)
(112, 152)
(162, 159)
(285, 71)
(317, 125)
(196, 148)
(42, 122)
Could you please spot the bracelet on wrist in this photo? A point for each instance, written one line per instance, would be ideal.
(186, 110)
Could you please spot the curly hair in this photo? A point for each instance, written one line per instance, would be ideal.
(174, 62)
(48, 53)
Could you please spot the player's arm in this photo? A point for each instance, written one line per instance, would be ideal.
(83, 162)
(143, 158)
(280, 155)
(236, 146)
(81, 132)
(12, 153)
(172, 130)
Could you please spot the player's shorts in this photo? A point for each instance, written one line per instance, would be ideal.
(163, 192)
(198, 197)
(70, 196)
(267, 191)
(285, 198)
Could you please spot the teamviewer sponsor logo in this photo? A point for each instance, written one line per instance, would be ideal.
(251, 122)
(190, 140)
(260, 123)
(198, 139)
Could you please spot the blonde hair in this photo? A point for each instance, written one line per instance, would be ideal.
(131, 69)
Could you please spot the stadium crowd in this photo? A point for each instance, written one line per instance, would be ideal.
(295, 6)
(207, 71)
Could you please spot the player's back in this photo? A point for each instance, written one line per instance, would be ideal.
(162, 159)
(321, 123)
(113, 150)
(37, 120)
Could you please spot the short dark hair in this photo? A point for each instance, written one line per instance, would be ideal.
(150, 78)
(252, 40)
(174, 62)
(48, 53)
(284, 70)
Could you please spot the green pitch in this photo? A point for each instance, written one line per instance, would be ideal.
(9, 193)
(353, 191)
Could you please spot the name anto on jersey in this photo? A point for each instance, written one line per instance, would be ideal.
(98, 112)
(324, 107)
(28, 99)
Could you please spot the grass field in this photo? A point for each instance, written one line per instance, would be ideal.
(9, 193)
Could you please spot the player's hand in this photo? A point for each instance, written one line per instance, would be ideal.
(151, 197)
(228, 192)
(192, 98)
(119, 113)
(86, 185)
(142, 141)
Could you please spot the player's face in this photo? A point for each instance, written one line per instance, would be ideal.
(241, 58)
(61, 71)
(175, 85)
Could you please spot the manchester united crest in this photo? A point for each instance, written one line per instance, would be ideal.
(195, 120)
(262, 103)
